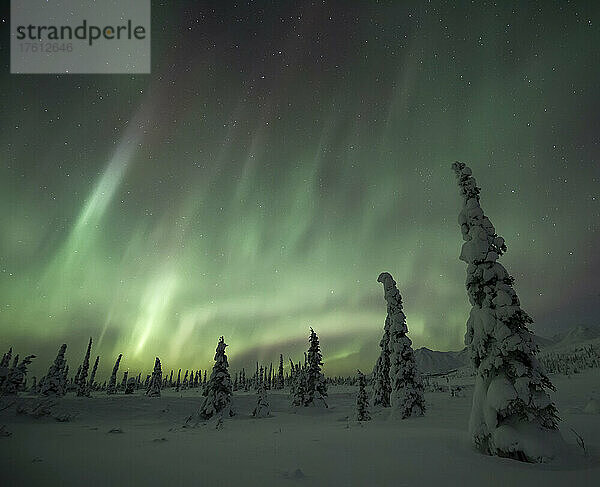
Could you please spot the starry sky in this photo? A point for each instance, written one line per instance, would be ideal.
(278, 158)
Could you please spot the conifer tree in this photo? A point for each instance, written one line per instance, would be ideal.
(512, 414)
(362, 400)
(178, 385)
(153, 389)
(406, 398)
(316, 387)
(55, 381)
(171, 379)
(75, 380)
(280, 377)
(123, 384)
(262, 409)
(16, 375)
(93, 376)
(218, 396)
(382, 386)
(81, 383)
(112, 383)
(185, 380)
(5, 362)
(130, 386)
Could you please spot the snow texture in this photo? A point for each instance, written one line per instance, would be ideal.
(512, 414)
(406, 398)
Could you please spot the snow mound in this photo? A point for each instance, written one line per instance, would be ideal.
(592, 407)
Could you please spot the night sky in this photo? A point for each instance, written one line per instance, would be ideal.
(278, 158)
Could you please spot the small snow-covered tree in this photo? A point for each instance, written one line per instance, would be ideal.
(123, 384)
(55, 381)
(280, 379)
(156, 380)
(178, 385)
(316, 387)
(262, 409)
(82, 385)
(362, 400)
(5, 362)
(512, 414)
(91, 384)
(218, 394)
(406, 398)
(16, 375)
(112, 383)
(130, 386)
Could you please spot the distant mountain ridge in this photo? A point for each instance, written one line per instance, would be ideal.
(436, 362)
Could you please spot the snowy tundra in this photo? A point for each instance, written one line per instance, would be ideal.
(130, 440)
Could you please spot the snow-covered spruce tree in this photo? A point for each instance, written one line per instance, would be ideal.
(382, 386)
(4, 366)
(16, 375)
(512, 414)
(123, 384)
(91, 385)
(178, 385)
(406, 397)
(280, 379)
(362, 399)
(111, 388)
(82, 385)
(156, 381)
(75, 380)
(218, 390)
(5, 362)
(55, 381)
(316, 387)
(262, 409)
(130, 386)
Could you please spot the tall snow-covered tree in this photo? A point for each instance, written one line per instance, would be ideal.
(406, 397)
(156, 380)
(178, 385)
(316, 387)
(382, 386)
(362, 399)
(91, 385)
(82, 385)
(512, 414)
(218, 394)
(55, 381)
(111, 388)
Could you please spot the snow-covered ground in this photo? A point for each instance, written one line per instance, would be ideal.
(296, 446)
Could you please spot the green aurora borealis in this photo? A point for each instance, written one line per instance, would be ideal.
(278, 159)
